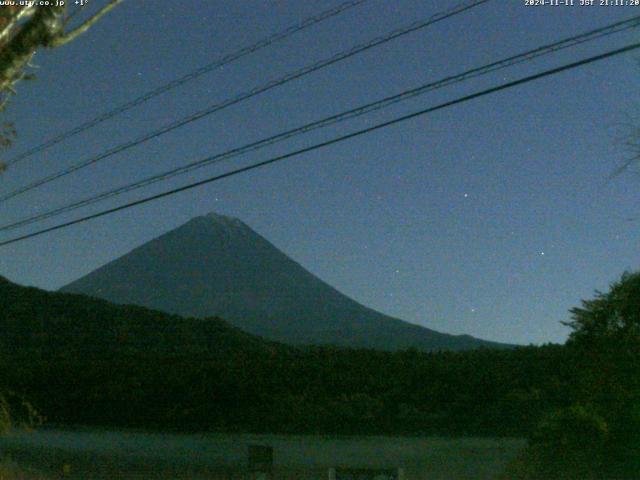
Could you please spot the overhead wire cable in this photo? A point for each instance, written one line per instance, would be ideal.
(343, 116)
(333, 141)
(246, 95)
(219, 62)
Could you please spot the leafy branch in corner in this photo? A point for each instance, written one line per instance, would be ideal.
(24, 29)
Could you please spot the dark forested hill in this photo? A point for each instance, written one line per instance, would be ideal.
(81, 360)
(37, 322)
(217, 266)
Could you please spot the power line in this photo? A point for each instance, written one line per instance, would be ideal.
(247, 95)
(333, 141)
(343, 116)
(219, 62)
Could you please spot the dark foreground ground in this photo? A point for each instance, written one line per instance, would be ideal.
(123, 455)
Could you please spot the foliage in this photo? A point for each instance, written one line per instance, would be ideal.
(27, 27)
(5, 416)
(611, 321)
(17, 412)
(9, 470)
(86, 361)
(7, 136)
(569, 444)
(606, 345)
(603, 358)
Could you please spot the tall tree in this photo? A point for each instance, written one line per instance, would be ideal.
(606, 344)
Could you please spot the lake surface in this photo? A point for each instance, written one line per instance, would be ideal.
(86, 454)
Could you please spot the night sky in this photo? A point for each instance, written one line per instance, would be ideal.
(492, 218)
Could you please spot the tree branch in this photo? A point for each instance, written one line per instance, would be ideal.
(44, 29)
(12, 22)
(62, 39)
(40, 30)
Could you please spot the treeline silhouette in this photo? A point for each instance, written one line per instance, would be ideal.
(83, 361)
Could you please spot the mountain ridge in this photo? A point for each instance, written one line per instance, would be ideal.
(53, 324)
(216, 265)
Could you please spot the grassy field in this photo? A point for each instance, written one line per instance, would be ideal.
(106, 454)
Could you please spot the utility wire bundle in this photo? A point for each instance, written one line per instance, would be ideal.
(247, 95)
(340, 117)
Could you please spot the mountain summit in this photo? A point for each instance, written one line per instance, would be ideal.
(216, 265)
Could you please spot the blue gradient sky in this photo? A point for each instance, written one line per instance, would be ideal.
(491, 218)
